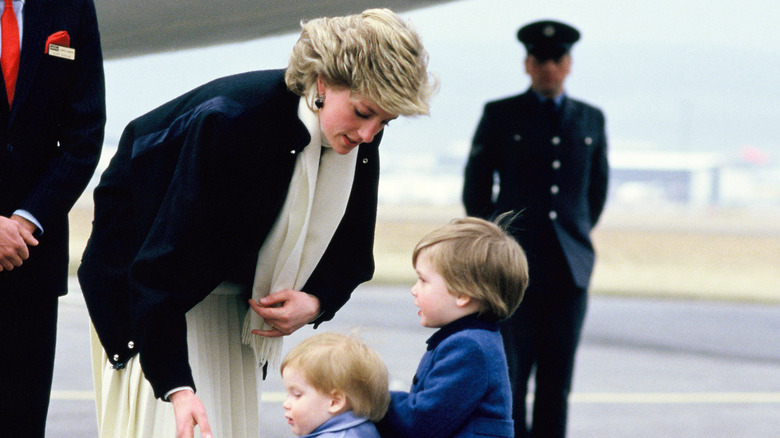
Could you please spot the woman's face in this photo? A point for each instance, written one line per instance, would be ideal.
(347, 119)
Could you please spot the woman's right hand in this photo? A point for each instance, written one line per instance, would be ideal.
(189, 411)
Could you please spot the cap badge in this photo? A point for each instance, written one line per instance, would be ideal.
(549, 31)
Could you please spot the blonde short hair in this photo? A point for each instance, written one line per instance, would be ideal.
(479, 259)
(332, 361)
(374, 54)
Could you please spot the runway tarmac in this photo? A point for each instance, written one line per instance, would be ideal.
(645, 368)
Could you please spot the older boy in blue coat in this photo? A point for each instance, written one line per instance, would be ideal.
(471, 274)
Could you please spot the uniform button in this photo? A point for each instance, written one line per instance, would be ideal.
(553, 215)
(588, 141)
(556, 164)
(554, 190)
(556, 140)
(292, 152)
(517, 137)
(131, 345)
(365, 160)
(116, 357)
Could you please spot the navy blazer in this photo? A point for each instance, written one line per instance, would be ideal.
(50, 139)
(461, 388)
(554, 177)
(187, 202)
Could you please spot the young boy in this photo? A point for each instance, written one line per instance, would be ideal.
(336, 386)
(471, 274)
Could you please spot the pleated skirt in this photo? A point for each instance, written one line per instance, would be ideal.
(227, 379)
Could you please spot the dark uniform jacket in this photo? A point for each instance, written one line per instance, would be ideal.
(555, 177)
(186, 204)
(50, 139)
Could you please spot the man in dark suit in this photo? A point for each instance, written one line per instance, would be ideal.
(546, 154)
(51, 123)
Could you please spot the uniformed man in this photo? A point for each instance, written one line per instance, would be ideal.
(543, 155)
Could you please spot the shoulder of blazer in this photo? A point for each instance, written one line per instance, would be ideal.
(511, 104)
(583, 107)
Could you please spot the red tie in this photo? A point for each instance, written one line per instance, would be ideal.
(9, 58)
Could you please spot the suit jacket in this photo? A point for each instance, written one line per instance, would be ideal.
(187, 202)
(50, 139)
(554, 176)
(461, 388)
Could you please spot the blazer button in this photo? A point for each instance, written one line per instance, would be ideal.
(292, 152)
(131, 345)
(556, 164)
(588, 141)
(517, 137)
(116, 358)
(553, 215)
(556, 140)
(9, 147)
(554, 189)
(365, 160)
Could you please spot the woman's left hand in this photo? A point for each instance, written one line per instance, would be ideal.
(285, 311)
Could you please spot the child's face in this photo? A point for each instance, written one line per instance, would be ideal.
(305, 408)
(438, 307)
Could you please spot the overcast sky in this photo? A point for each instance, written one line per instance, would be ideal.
(669, 74)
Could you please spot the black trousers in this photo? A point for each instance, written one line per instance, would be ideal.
(542, 337)
(28, 331)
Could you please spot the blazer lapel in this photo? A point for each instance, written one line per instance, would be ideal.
(36, 23)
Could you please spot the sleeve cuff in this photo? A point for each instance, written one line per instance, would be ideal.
(180, 388)
(27, 215)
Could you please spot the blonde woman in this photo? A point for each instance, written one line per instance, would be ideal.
(259, 188)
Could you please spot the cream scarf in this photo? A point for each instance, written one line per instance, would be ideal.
(315, 204)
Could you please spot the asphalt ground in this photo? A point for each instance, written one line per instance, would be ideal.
(646, 367)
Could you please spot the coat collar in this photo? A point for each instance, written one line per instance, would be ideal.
(468, 322)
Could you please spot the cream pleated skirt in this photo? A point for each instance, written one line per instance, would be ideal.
(228, 382)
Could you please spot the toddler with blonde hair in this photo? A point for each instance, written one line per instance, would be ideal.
(336, 386)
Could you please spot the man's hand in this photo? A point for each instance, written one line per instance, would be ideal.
(189, 411)
(286, 311)
(15, 237)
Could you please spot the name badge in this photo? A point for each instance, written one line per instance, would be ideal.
(62, 52)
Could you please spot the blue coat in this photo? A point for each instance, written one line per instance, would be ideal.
(346, 425)
(461, 388)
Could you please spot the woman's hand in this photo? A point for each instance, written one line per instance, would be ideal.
(286, 311)
(189, 411)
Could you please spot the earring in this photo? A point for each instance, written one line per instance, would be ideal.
(319, 102)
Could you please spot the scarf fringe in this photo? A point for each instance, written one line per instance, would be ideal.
(267, 350)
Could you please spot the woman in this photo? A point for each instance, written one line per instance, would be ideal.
(260, 185)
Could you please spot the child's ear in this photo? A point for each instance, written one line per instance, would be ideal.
(463, 301)
(338, 402)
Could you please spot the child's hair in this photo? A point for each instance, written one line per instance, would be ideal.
(332, 361)
(479, 259)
